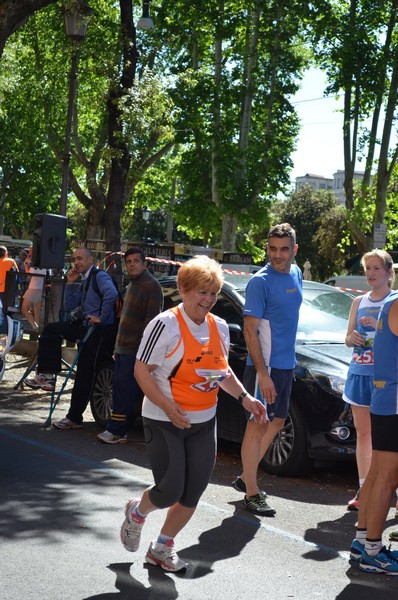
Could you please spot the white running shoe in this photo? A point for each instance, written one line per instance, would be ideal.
(66, 423)
(41, 381)
(165, 556)
(110, 438)
(130, 532)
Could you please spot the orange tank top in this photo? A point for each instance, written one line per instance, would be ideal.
(194, 379)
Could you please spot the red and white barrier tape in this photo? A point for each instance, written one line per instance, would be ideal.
(350, 289)
(179, 264)
(175, 262)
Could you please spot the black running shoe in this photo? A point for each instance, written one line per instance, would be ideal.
(258, 505)
(239, 485)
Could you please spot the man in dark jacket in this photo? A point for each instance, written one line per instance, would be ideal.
(142, 302)
(88, 306)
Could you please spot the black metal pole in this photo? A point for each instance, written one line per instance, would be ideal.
(69, 119)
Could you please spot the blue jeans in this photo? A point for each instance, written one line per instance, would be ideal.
(126, 394)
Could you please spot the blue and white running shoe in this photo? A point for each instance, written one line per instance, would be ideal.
(356, 550)
(384, 562)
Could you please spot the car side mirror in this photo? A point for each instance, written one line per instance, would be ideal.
(236, 334)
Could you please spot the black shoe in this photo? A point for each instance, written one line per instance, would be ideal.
(239, 485)
(258, 505)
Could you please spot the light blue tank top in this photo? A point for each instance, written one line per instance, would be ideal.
(362, 356)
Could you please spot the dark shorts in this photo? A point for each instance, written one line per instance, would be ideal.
(182, 461)
(282, 380)
(384, 432)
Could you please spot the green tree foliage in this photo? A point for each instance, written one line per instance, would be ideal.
(29, 174)
(235, 65)
(319, 223)
(123, 118)
(357, 45)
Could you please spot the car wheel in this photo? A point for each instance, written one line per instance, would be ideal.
(288, 453)
(101, 396)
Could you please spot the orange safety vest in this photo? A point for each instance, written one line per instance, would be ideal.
(194, 379)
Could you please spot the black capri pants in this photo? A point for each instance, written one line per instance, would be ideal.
(182, 461)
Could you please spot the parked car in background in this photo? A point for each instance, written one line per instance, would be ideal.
(357, 284)
(319, 426)
(354, 284)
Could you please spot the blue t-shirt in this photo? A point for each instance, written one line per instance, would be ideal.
(385, 348)
(275, 298)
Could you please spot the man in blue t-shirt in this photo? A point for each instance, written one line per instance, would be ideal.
(273, 299)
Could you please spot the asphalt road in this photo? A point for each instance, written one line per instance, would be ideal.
(62, 498)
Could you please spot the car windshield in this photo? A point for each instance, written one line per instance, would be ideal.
(323, 316)
(238, 281)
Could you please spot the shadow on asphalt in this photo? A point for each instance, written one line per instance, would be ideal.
(161, 585)
(232, 535)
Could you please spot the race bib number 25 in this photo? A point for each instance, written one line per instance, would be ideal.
(363, 358)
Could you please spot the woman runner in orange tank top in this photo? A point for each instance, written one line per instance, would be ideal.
(181, 362)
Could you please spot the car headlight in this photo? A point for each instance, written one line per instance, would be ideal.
(336, 383)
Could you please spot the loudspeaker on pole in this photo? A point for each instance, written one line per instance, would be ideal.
(49, 241)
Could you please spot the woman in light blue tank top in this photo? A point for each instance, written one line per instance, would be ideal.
(378, 267)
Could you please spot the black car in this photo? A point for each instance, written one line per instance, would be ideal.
(319, 427)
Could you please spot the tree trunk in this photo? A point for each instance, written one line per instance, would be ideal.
(121, 160)
(170, 220)
(14, 13)
(229, 225)
(230, 222)
(385, 169)
(378, 103)
(216, 105)
(268, 140)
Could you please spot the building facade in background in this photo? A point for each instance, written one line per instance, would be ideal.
(335, 184)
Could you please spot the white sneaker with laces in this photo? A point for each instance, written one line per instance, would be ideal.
(42, 382)
(165, 556)
(110, 438)
(66, 423)
(130, 532)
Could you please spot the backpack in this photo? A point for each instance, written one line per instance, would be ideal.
(119, 300)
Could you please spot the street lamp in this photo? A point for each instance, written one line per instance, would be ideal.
(146, 213)
(145, 22)
(76, 16)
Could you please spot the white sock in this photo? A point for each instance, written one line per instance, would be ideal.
(373, 547)
(164, 539)
(361, 536)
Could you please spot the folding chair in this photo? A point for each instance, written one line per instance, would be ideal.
(55, 398)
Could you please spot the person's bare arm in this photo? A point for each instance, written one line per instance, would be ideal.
(353, 337)
(267, 388)
(393, 317)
